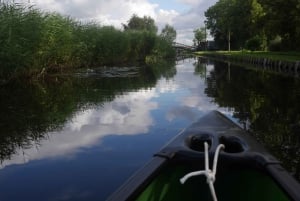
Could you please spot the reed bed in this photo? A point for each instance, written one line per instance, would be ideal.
(34, 43)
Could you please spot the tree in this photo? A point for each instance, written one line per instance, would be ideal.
(200, 37)
(220, 22)
(233, 22)
(168, 33)
(141, 24)
(282, 19)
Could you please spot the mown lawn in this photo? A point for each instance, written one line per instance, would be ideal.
(283, 56)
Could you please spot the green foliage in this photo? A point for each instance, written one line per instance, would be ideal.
(135, 39)
(220, 21)
(141, 24)
(282, 18)
(199, 35)
(254, 44)
(244, 19)
(111, 46)
(274, 56)
(234, 19)
(168, 33)
(200, 38)
(18, 40)
(56, 45)
(275, 44)
(34, 42)
(163, 49)
(141, 44)
(86, 39)
(268, 103)
(30, 110)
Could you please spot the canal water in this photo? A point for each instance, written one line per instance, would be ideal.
(80, 136)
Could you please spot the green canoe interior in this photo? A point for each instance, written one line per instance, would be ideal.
(232, 183)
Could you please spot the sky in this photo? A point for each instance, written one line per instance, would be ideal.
(184, 15)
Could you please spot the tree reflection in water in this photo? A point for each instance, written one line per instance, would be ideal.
(265, 103)
(28, 111)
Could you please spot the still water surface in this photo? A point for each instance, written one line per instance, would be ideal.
(81, 137)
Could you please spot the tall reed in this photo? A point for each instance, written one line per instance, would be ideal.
(19, 37)
(34, 42)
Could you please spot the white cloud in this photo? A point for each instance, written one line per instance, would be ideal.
(166, 17)
(183, 112)
(195, 100)
(190, 20)
(112, 12)
(189, 94)
(166, 86)
(116, 12)
(191, 2)
(129, 114)
(185, 36)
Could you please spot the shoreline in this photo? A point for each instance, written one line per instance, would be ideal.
(284, 63)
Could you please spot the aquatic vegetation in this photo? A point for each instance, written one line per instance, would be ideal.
(34, 43)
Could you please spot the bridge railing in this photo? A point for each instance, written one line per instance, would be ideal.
(183, 46)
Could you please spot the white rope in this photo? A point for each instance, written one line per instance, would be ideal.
(210, 174)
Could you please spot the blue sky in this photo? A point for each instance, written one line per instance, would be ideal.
(184, 15)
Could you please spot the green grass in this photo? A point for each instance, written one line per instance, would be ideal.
(283, 56)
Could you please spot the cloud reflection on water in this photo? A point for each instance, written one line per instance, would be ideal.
(126, 115)
(181, 97)
(191, 98)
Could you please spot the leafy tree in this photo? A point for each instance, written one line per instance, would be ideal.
(253, 43)
(168, 33)
(220, 21)
(141, 24)
(200, 37)
(162, 49)
(233, 22)
(282, 19)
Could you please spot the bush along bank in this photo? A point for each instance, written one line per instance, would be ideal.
(279, 65)
(34, 43)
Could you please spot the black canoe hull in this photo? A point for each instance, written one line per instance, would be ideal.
(187, 148)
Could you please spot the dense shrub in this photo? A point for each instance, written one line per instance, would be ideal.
(253, 43)
(275, 44)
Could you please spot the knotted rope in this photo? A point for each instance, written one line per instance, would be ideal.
(210, 174)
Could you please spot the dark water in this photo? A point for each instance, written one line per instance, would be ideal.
(80, 136)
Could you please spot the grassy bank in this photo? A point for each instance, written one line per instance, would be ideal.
(34, 43)
(276, 56)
